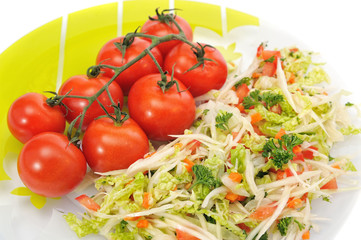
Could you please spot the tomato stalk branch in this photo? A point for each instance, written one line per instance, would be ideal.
(117, 70)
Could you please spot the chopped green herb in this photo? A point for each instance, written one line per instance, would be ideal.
(348, 104)
(205, 111)
(245, 80)
(281, 153)
(204, 176)
(222, 120)
(283, 225)
(268, 98)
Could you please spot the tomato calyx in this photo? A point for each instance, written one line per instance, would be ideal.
(125, 42)
(199, 52)
(165, 85)
(165, 16)
(118, 116)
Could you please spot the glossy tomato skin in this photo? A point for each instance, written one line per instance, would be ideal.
(160, 114)
(109, 54)
(109, 146)
(49, 166)
(160, 29)
(30, 115)
(211, 75)
(83, 86)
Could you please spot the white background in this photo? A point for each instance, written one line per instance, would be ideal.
(329, 27)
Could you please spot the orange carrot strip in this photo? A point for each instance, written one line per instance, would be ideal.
(280, 133)
(143, 223)
(188, 164)
(297, 149)
(235, 177)
(256, 117)
(306, 235)
(131, 218)
(295, 203)
(232, 197)
(146, 199)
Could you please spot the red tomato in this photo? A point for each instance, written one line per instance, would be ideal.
(160, 28)
(111, 55)
(83, 86)
(49, 166)
(263, 212)
(88, 202)
(211, 75)
(270, 67)
(161, 114)
(242, 92)
(332, 185)
(182, 235)
(111, 146)
(30, 115)
(244, 227)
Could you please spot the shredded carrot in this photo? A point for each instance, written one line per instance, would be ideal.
(188, 164)
(256, 75)
(306, 235)
(297, 149)
(232, 197)
(325, 93)
(336, 165)
(280, 133)
(143, 223)
(295, 203)
(256, 117)
(294, 50)
(129, 182)
(149, 154)
(235, 177)
(146, 199)
(178, 145)
(131, 218)
(292, 78)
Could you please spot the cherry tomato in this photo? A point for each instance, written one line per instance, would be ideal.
(111, 146)
(111, 55)
(84, 86)
(49, 166)
(332, 184)
(88, 202)
(182, 235)
(263, 212)
(160, 28)
(211, 75)
(242, 92)
(161, 114)
(30, 115)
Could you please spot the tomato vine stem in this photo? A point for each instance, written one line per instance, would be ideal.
(95, 70)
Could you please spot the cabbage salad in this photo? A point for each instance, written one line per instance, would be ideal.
(255, 158)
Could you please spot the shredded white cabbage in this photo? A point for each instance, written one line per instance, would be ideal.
(243, 166)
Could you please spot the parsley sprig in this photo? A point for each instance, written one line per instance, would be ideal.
(268, 98)
(204, 176)
(283, 225)
(280, 150)
(222, 120)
